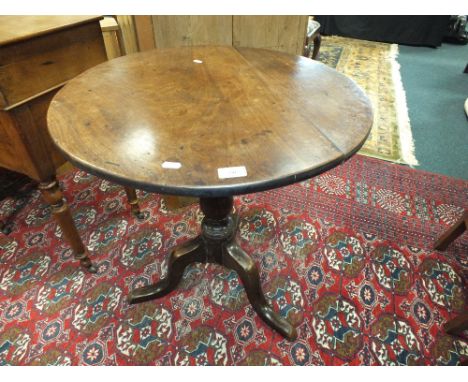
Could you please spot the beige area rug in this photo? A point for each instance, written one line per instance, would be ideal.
(374, 67)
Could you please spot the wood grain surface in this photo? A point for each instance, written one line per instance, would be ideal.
(284, 118)
(19, 28)
(281, 33)
(38, 64)
(174, 31)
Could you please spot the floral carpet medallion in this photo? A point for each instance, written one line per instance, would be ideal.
(346, 257)
(144, 332)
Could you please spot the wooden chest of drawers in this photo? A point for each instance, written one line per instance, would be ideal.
(38, 55)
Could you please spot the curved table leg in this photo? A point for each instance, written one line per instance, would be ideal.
(216, 244)
(181, 256)
(235, 258)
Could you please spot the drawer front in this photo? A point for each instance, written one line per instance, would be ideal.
(32, 67)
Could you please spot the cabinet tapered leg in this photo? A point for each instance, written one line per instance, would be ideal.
(53, 196)
(317, 43)
(183, 255)
(133, 201)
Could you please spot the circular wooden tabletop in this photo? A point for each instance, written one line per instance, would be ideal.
(209, 121)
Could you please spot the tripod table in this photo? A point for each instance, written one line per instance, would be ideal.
(211, 122)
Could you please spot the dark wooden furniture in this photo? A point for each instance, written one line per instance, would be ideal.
(452, 233)
(459, 324)
(313, 38)
(38, 55)
(211, 122)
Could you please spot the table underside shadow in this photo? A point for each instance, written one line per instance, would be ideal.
(216, 244)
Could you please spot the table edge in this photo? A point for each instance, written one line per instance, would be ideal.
(212, 191)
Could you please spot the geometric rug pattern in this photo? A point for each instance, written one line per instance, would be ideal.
(346, 257)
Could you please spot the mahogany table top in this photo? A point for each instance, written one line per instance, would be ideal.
(209, 121)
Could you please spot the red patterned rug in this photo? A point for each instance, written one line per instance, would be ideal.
(346, 257)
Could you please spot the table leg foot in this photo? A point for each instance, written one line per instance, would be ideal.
(53, 196)
(457, 325)
(180, 257)
(86, 262)
(5, 228)
(235, 258)
(133, 201)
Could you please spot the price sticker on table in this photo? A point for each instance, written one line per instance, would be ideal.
(171, 165)
(232, 172)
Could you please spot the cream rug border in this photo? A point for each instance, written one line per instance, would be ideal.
(407, 149)
(406, 146)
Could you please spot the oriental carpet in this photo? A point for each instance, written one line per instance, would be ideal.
(345, 256)
(374, 67)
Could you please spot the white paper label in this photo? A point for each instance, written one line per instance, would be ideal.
(232, 172)
(172, 165)
(198, 61)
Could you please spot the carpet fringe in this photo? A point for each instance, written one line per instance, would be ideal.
(404, 127)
